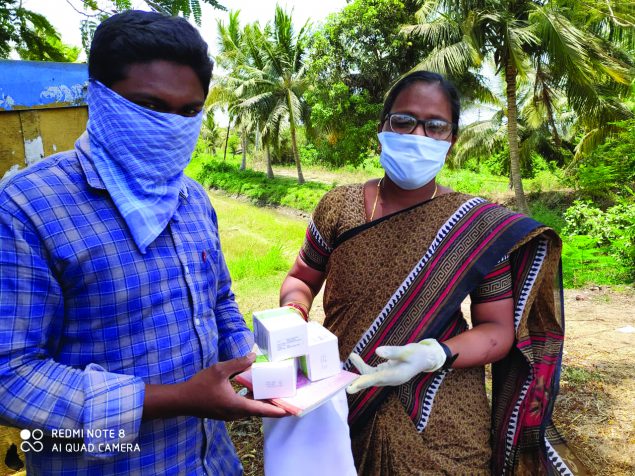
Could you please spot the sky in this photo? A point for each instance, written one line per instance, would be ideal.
(67, 20)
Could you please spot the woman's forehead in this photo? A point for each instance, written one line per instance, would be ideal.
(421, 97)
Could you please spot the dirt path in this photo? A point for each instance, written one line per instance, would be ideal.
(595, 409)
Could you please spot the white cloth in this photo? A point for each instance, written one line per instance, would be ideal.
(317, 444)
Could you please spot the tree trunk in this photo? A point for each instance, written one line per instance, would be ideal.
(294, 142)
(512, 134)
(546, 100)
(552, 124)
(243, 143)
(269, 168)
(226, 140)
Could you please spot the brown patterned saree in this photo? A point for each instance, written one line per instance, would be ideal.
(401, 279)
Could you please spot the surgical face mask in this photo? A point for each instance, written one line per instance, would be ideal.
(410, 160)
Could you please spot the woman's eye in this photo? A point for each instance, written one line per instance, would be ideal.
(437, 126)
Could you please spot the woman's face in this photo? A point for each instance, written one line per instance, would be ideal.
(423, 101)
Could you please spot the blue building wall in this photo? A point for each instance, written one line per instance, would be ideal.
(37, 84)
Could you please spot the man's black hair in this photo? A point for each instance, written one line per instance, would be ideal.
(425, 77)
(135, 36)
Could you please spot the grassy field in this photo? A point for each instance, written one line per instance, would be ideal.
(585, 262)
(259, 246)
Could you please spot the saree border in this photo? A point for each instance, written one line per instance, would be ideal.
(412, 275)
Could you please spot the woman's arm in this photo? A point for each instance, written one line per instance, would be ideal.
(301, 284)
(490, 339)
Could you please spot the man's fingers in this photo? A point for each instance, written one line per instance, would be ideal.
(234, 366)
(263, 409)
(360, 365)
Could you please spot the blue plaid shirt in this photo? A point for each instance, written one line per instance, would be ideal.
(86, 319)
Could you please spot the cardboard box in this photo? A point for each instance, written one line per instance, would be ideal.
(273, 379)
(323, 358)
(280, 333)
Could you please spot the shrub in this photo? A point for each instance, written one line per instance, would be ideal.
(585, 262)
(257, 187)
(609, 167)
(584, 218)
(597, 239)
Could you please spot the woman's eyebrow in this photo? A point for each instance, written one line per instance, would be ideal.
(431, 116)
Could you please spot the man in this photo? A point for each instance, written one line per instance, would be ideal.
(118, 327)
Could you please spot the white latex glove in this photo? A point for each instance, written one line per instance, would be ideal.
(403, 362)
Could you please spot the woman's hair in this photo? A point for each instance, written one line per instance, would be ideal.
(424, 77)
(134, 37)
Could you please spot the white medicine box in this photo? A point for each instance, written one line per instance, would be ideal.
(322, 359)
(273, 379)
(280, 333)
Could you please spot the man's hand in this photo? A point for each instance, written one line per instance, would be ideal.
(403, 363)
(208, 394)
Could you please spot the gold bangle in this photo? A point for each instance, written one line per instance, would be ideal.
(300, 308)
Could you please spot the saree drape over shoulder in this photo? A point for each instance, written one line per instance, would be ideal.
(401, 279)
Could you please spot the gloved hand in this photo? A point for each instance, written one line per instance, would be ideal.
(403, 362)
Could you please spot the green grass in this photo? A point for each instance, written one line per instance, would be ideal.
(467, 181)
(259, 245)
(552, 217)
(577, 376)
(284, 190)
(256, 186)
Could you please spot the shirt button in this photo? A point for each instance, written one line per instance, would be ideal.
(197, 321)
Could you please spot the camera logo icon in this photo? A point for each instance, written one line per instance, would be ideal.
(31, 440)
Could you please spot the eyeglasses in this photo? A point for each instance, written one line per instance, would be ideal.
(433, 128)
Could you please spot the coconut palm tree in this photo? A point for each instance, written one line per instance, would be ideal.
(210, 132)
(267, 78)
(226, 90)
(275, 80)
(522, 37)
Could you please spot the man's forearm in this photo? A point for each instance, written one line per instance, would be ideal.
(163, 401)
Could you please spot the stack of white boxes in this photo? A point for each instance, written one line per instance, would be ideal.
(284, 338)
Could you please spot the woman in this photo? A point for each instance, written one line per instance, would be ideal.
(399, 255)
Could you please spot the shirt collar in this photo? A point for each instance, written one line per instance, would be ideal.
(82, 147)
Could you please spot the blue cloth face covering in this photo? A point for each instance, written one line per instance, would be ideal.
(140, 156)
(410, 160)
